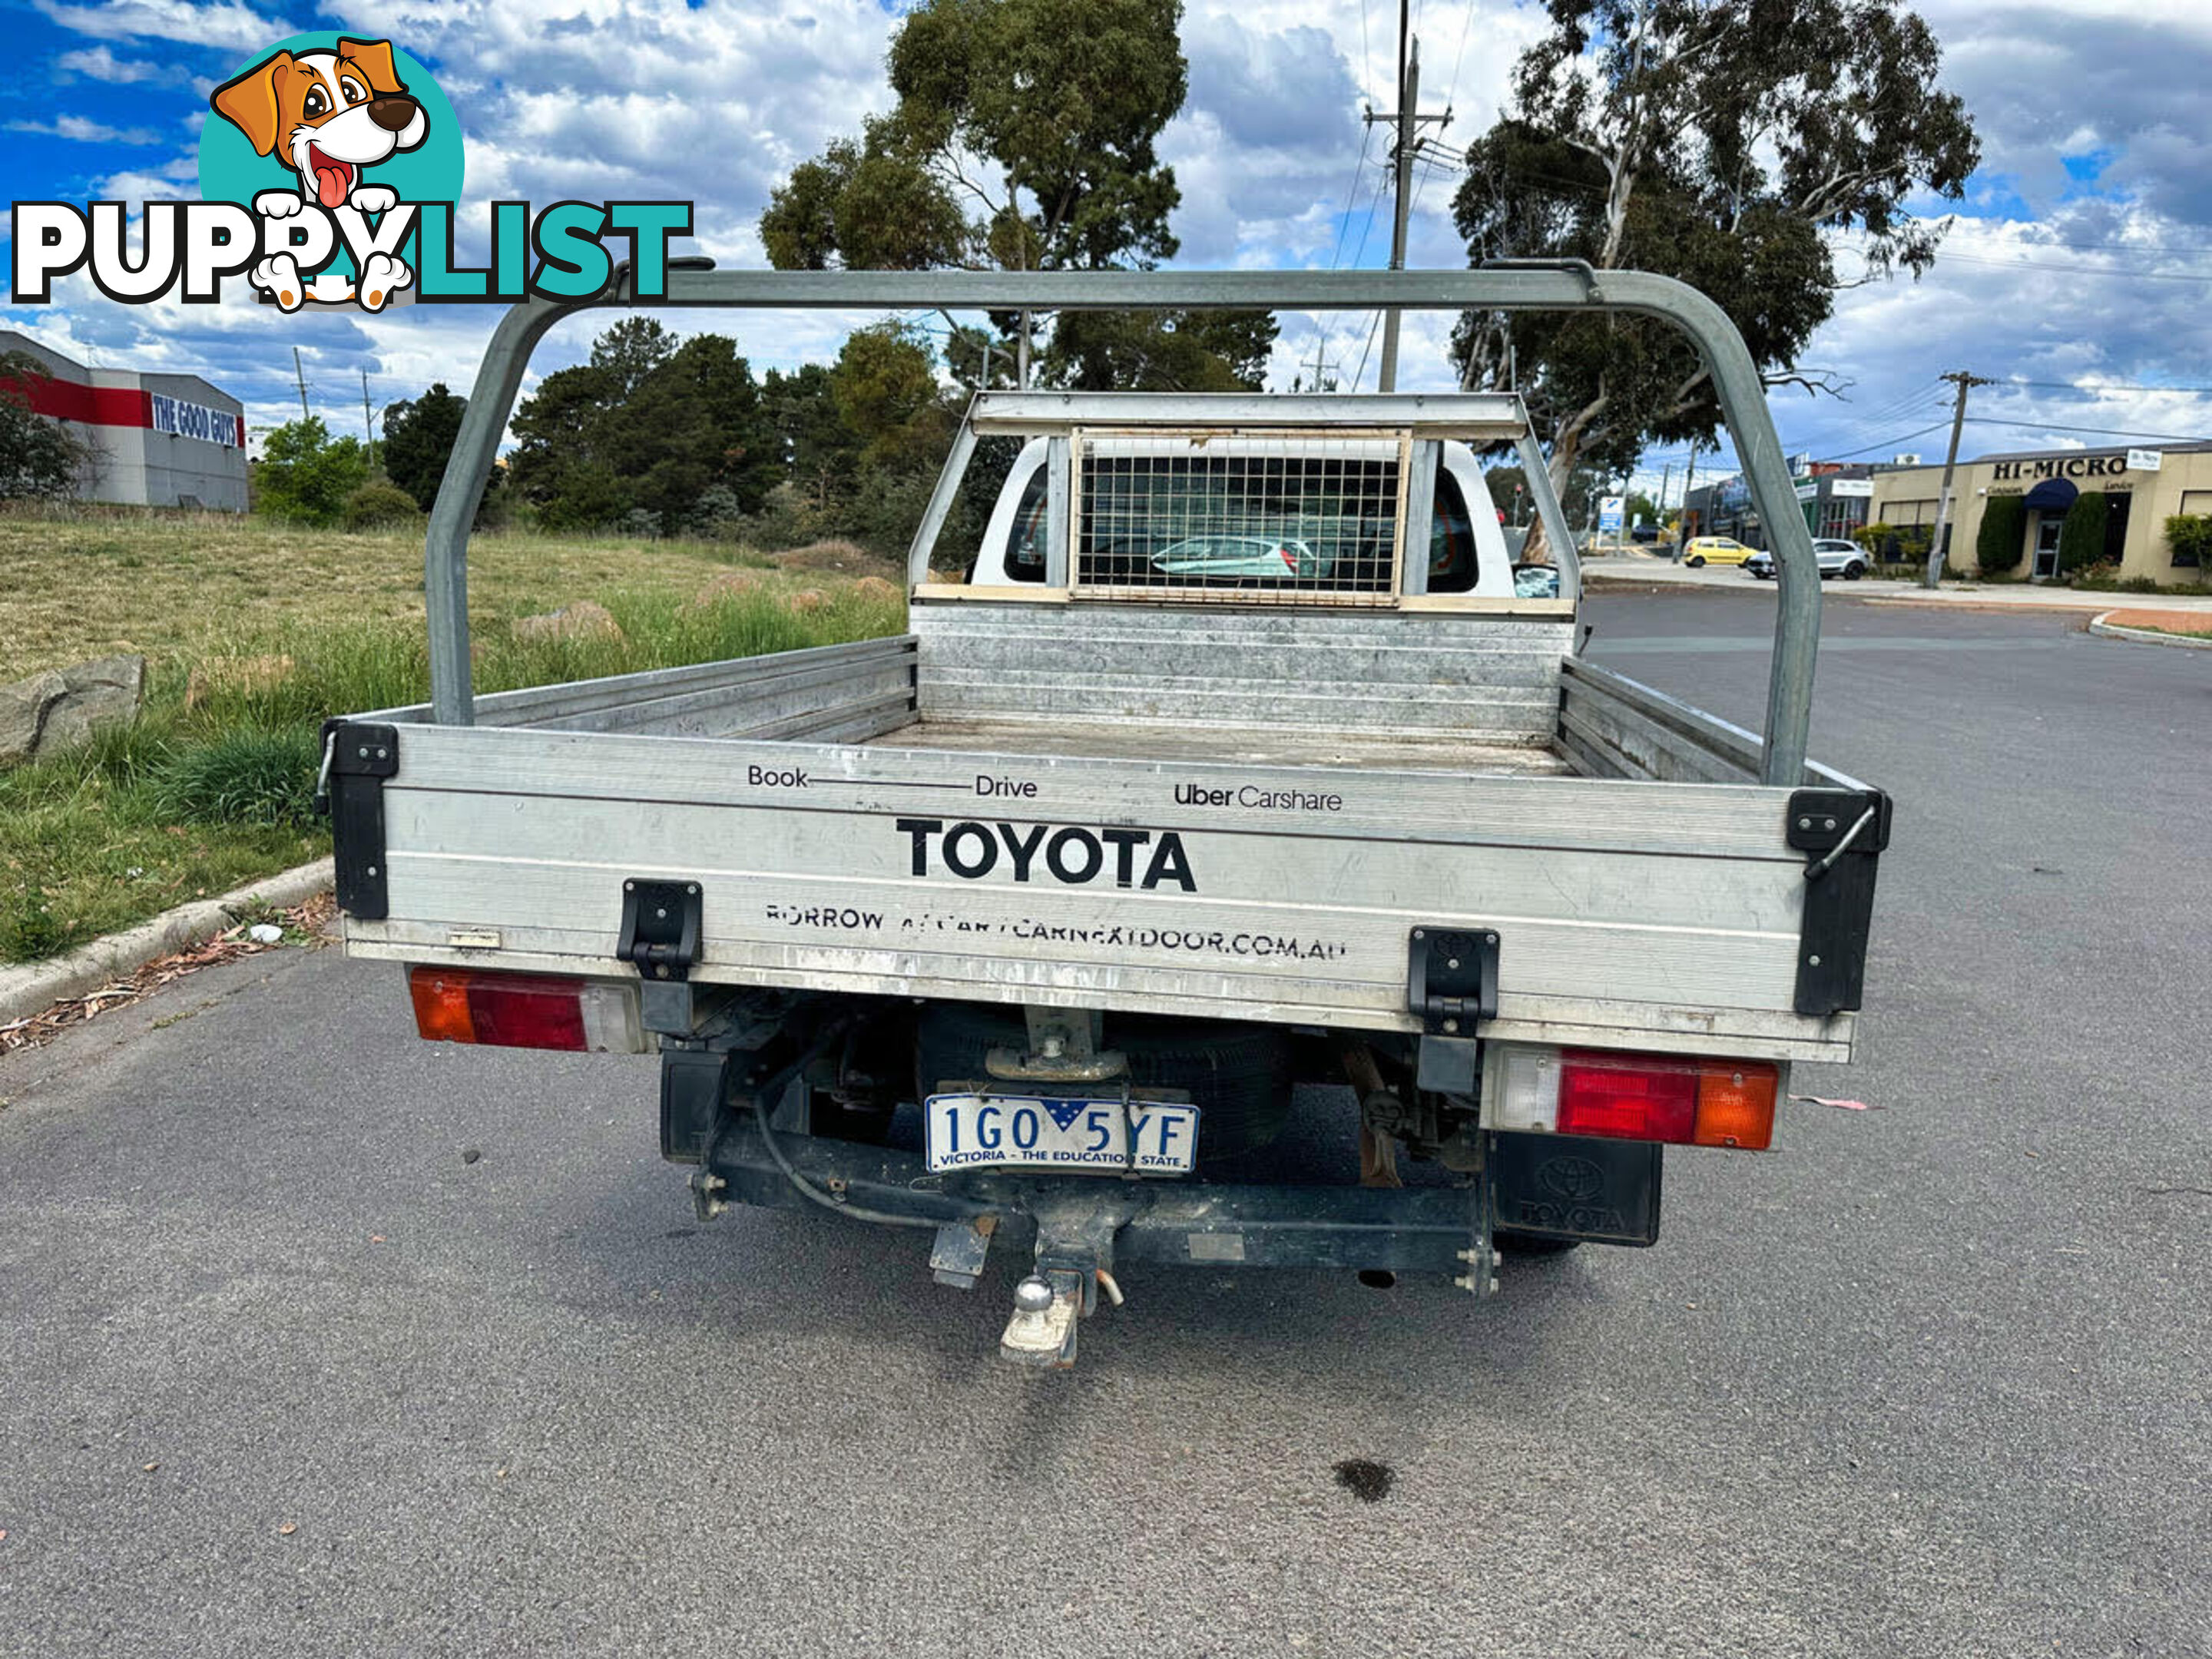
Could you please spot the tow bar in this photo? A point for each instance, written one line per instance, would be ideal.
(1085, 1230)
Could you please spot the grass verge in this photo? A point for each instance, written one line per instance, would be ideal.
(210, 789)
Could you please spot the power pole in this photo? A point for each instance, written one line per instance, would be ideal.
(1320, 365)
(1689, 478)
(1408, 121)
(367, 421)
(300, 376)
(1966, 383)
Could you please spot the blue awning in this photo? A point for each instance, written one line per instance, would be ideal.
(2051, 495)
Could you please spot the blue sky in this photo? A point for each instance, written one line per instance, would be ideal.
(2078, 274)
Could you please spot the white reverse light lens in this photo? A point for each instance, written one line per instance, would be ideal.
(1528, 1090)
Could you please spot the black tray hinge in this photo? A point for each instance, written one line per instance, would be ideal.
(661, 927)
(1842, 833)
(1451, 979)
(358, 756)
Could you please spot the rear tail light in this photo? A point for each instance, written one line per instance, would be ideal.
(1290, 559)
(1665, 1097)
(525, 1010)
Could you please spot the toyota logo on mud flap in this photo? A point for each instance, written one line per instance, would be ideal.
(1573, 1179)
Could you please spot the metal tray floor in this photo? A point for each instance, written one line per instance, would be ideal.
(1241, 745)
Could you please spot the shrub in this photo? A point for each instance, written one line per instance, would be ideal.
(1999, 544)
(2082, 537)
(247, 776)
(886, 508)
(2092, 581)
(717, 516)
(1889, 543)
(377, 503)
(785, 518)
(40, 458)
(2189, 540)
(306, 474)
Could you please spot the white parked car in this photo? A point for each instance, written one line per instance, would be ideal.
(1837, 558)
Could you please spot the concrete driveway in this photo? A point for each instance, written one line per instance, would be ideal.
(1931, 1379)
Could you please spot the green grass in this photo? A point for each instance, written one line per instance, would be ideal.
(2203, 632)
(193, 801)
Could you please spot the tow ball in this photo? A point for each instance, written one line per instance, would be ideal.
(1074, 1264)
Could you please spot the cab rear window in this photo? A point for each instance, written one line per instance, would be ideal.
(1451, 538)
(1025, 552)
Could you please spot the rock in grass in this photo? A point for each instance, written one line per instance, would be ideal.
(586, 619)
(61, 707)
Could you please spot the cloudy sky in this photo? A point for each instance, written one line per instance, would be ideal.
(2078, 274)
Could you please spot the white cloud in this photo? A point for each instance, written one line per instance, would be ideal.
(90, 132)
(594, 99)
(100, 63)
(225, 24)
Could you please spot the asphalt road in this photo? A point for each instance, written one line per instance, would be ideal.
(1931, 1379)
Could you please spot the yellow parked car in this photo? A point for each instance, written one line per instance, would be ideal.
(1714, 549)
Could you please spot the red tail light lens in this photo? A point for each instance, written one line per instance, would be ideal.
(503, 1010)
(1290, 559)
(1628, 1097)
(526, 1010)
(1704, 1103)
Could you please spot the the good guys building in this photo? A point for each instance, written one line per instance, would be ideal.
(151, 440)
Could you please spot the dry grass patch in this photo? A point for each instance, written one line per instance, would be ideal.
(257, 633)
(839, 558)
(89, 584)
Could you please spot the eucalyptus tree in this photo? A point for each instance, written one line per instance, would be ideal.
(1770, 153)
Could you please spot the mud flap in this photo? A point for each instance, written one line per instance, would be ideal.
(1576, 1186)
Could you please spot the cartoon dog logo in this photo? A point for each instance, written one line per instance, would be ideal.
(331, 115)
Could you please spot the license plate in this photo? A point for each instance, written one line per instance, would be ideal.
(1093, 1136)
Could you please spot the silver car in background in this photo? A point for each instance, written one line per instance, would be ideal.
(1837, 558)
(1262, 558)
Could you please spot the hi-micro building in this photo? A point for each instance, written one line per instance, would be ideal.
(151, 440)
(2142, 490)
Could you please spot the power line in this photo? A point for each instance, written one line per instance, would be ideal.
(1352, 192)
(1466, 23)
(2090, 247)
(1344, 222)
(1859, 420)
(1886, 443)
(2077, 270)
(1374, 204)
(1364, 350)
(2087, 431)
(2100, 388)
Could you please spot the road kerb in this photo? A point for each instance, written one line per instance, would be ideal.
(30, 987)
(2101, 624)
